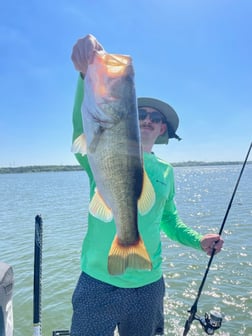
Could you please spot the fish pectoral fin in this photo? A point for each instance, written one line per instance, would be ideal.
(133, 256)
(99, 209)
(96, 139)
(148, 196)
(80, 145)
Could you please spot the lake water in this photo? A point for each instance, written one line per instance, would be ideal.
(202, 197)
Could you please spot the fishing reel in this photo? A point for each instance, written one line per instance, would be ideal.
(210, 322)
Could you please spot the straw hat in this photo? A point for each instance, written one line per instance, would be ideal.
(169, 113)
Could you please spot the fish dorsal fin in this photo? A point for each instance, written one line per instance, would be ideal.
(148, 196)
(99, 209)
(80, 145)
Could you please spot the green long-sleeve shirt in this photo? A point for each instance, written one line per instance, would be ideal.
(163, 216)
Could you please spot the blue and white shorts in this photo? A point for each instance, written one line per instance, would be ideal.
(98, 308)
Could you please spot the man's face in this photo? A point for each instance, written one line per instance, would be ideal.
(151, 124)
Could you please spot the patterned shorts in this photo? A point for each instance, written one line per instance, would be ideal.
(98, 308)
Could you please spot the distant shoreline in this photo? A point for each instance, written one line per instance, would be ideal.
(65, 168)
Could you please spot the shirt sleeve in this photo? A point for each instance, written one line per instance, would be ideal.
(78, 124)
(174, 227)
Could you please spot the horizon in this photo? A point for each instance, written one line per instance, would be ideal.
(172, 163)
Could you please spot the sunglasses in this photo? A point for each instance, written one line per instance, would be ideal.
(155, 116)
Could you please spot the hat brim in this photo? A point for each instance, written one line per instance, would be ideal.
(169, 113)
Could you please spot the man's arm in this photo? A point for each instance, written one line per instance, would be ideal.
(77, 122)
(82, 55)
(176, 230)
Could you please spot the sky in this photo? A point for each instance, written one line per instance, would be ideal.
(194, 54)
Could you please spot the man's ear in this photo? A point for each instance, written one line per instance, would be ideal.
(163, 128)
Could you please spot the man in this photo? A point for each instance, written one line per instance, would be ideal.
(132, 301)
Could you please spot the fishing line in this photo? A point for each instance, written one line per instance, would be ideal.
(213, 321)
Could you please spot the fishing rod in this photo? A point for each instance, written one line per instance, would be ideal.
(37, 276)
(211, 322)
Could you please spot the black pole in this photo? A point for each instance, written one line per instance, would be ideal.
(236, 186)
(37, 276)
(193, 309)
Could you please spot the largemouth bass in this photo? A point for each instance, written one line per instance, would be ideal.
(112, 144)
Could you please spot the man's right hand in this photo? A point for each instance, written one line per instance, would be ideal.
(83, 52)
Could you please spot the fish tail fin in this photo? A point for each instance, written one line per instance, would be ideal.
(133, 256)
